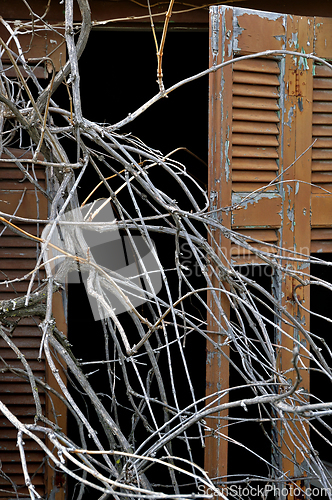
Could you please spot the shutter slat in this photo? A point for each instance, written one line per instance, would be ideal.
(322, 154)
(248, 187)
(237, 251)
(254, 140)
(255, 90)
(321, 234)
(323, 71)
(318, 166)
(17, 253)
(258, 103)
(25, 399)
(255, 152)
(322, 83)
(323, 143)
(323, 189)
(17, 264)
(322, 95)
(257, 65)
(255, 78)
(22, 342)
(322, 107)
(256, 115)
(253, 164)
(321, 130)
(247, 127)
(28, 353)
(36, 366)
(322, 118)
(320, 177)
(268, 235)
(252, 176)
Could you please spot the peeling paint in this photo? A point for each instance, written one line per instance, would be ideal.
(293, 41)
(238, 197)
(303, 61)
(280, 38)
(291, 115)
(272, 16)
(291, 218)
(297, 187)
(227, 161)
(237, 30)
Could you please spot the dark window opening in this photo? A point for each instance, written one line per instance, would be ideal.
(118, 74)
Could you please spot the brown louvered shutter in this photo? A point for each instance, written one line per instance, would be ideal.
(265, 113)
(17, 258)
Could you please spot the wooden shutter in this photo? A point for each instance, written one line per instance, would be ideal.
(18, 257)
(264, 114)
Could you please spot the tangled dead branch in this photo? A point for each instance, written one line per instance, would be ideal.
(142, 434)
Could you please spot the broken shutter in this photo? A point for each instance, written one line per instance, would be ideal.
(265, 113)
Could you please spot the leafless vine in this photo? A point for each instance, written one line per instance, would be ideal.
(152, 415)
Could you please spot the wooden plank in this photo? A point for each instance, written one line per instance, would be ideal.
(220, 189)
(296, 235)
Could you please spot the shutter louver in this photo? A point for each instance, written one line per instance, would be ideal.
(255, 139)
(321, 238)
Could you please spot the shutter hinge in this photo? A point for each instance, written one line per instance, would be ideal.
(297, 82)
